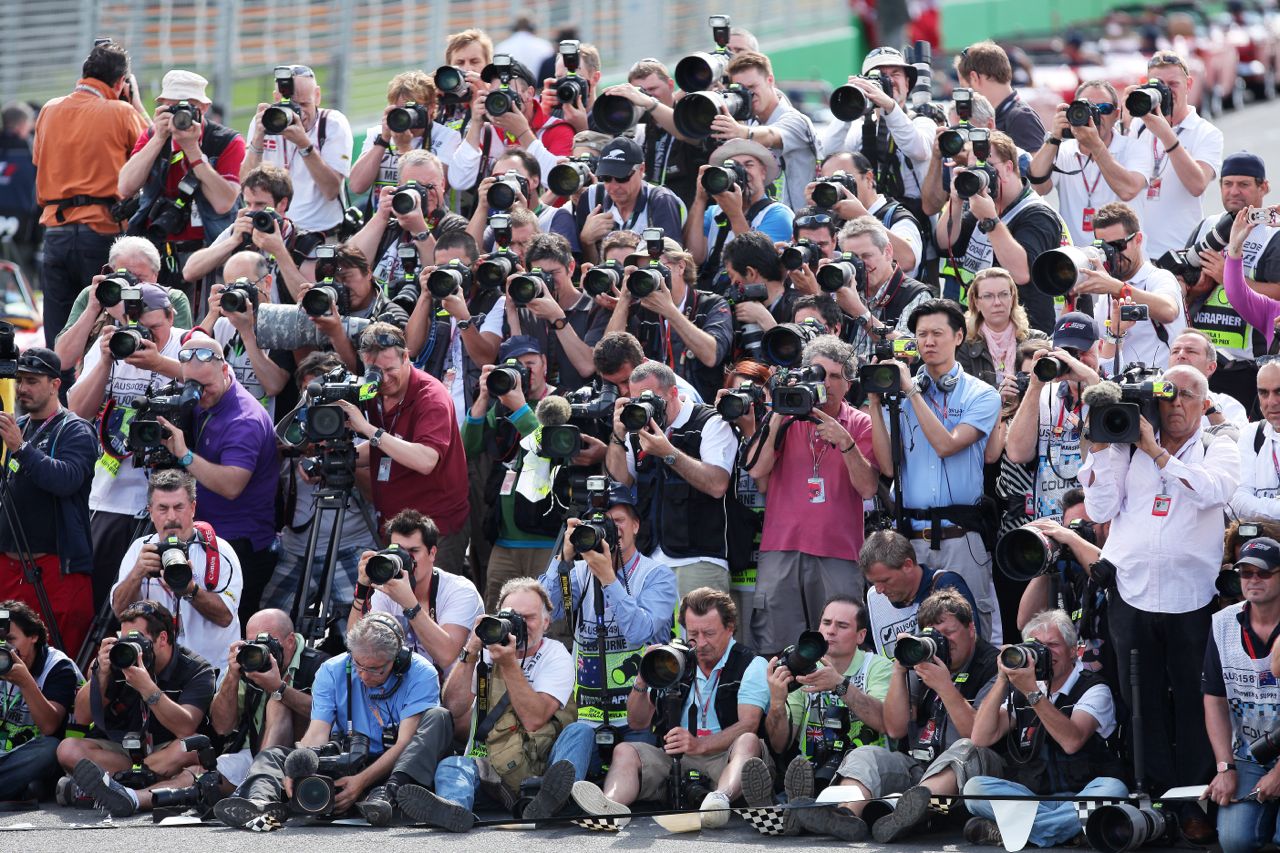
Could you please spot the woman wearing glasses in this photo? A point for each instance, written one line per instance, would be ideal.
(996, 325)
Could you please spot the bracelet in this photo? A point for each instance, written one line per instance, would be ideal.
(191, 164)
(850, 448)
(1174, 147)
(381, 141)
(256, 150)
(653, 105)
(1161, 454)
(621, 442)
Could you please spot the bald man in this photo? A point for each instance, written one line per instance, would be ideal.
(1193, 348)
(1258, 495)
(234, 461)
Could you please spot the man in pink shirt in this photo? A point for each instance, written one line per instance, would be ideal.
(815, 480)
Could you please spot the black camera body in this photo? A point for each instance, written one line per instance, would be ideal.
(746, 293)
(645, 280)
(325, 420)
(501, 99)
(528, 286)
(184, 115)
(412, 116)
(1119, 423)
(494, 630)
(314, 793)
(975, 179)
(849, 103)
(571, 89)
(238, 296)
(736, 403)
(826, 193)
(257, 656)
(493, 269)
(845, 270)
(801, 253)
(502, 193)
(636, 414)
(665, 667)
(592, 403)
(320, 300)
(168, 216)
(798, 391)
(507, 377)
(1150, 96)
(110, 291)
(7, 658)
(1081, 113)
(596, 529)
(452, 86)
(132, 649)
(389, 563)
(803, 656)
(783, 345)
(1032, 653)
(828, 750)
(603, 278)
(929, 643)
(407, 195)
(453, 277)
(175, 563)
(127, 341)
(720, 179)
(176, 404)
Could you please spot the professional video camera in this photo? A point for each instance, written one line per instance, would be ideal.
(1115, 409)
(506, 623)
(636, 414)
(739, 401)
(882, 379)
(1186, 263)
(694, 113)
(176, 404)
(111, 290)
(797, 392)
(412, 116)
(849, 103)
(592, 403)
(207, 790)
(929, 643)
(826, 193)
(565, 179)
(701, 71)
(571, 89)
(325, 420)
(313, 771)
(784, 344)
(1032, 653)
(647, 279)
(1152, 95)
(1056, 271)
(557, 438)
(845, 270)
(277, 117)
(238, 296)
(168, 216)
(502, 99)
(722, 178)
(133, 648)
(258, 655)
(803, 657)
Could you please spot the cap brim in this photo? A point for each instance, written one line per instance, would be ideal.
(1073, 342)
(615, 168)
(1256, 562)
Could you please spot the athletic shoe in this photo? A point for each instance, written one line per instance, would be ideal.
(979, 830)
(596, 805)
(715, 810)
(830, 820)
(255, 816)
(912, 810)
(423, 806)
(557, 784)
(107, 793)
(798, 780)
(376, 808)
(68, 794)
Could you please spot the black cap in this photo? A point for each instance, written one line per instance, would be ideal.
(1262, 553)
(1076, 330)
(620, 158)
(41, 361)
(518, 69)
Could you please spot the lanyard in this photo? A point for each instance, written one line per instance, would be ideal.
(390, 426)
(818, 453)
(1159, 161)
(703, 707)
(43, 428)
(1084, 180)
(1274, 461)
(941, 412)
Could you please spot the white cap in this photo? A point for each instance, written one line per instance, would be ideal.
(184, 86)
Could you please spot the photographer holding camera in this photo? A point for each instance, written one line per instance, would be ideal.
(1089, 164)
(37, 691)
(946, 420)
(377, 697)
(864, 198)
(624, 200)
(311, 131)
(985, 68)
(1241, 700)
(436, 609)
(183, 563)
(1164, 496)
(679, 455)
(144, 695)
(707, 720)
(891, 296)
(183, 156)
(1058, 718)
(522, 190)
(49, 462)
(232, 321)
(817, 482)
(1186, 152)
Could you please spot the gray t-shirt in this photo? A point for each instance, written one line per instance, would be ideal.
(798, 158)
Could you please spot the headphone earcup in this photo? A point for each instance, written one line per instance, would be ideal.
(403, 658)
(923, 381)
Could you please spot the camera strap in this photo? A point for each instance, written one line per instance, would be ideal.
(212, 559)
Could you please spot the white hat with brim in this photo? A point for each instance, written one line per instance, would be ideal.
(184, 86)
(736, 147)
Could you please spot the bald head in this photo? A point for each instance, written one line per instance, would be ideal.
(250, 265)
(1269, 392)
(1188, 378)
(271, 621)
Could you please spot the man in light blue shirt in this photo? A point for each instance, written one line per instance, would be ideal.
(946, 418)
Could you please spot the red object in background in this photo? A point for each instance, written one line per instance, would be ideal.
(865, 12)
(927, 26)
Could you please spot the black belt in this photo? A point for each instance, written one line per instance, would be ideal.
(78, 201)
(945, 533)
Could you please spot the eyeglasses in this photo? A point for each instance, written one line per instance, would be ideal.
(1105, 108)
(814, 220)
(997, 296)
(1119, 245)
(1248, 573)
(372, 670)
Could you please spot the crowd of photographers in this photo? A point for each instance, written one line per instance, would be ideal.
(639, 444)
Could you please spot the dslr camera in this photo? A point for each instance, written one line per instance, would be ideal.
(1032, 653)
(636, 414)
(528, 286)
(277, 117)
(257, 656)
(571, 89)
(168, 216)
(185, 115)
(929, 643)
(603, 278)
(667, 666)
(1153, 95)
(849, 103)
(502, 193)
(803, 656)
(798, 391)
(450, 278)
(845, 270)
(739, 401)
(801, 253)
(389, 563)
(175, 563)
(238, 296)
(507, 377)
(1186, 263)
(646, 280)
(1082, 112)
(596, 529)
(412, 116)
(320, 300)
(506, 623)
(722, 178)
(826, 193)
(112, 290)
(133, 648)
(408, 195)
(502, 99)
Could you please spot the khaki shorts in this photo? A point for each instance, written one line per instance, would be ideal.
(655, 769)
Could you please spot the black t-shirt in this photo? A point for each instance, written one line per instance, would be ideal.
(187, 680)
(1021, 122)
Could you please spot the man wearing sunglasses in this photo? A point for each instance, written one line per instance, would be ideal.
(624, 200)
(1241, 701)
(234, 461)
(1091, 165)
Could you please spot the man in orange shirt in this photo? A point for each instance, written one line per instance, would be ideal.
(82, 141)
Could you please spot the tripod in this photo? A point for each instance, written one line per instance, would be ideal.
(312, 616)
(895, 449)
(105, 616)
(31, 570)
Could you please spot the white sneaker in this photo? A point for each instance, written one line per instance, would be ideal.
(715, 810)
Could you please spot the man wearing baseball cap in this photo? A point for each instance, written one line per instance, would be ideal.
(1046, 428)
(622, 200)
(49, 452)
(189, 158)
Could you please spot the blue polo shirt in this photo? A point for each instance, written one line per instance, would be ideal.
(411, 693)
(929, 480)
(754, 690)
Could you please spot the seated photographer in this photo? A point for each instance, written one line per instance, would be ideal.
(273, 664)
(996, 325)
(817, 470)
(691, 330)
(618, 597)
(1258, 494)
(940, 673)
(414, 454)
(621, 199)
(528, 174)
(510, 696)
(947, 417)
(1164, 495)
(435, 609)
(522, 510)
(720, 692)
(1241, 703)
(39, 687)
(1194, 348)
(286, 247)
(144, 695)
(104, 395)
(891, 295)
(898, 585)
(1057, 717)
(234, 462)
(377, 698)
(859, 196)
(263, 373)
(754, 259)
(848, 684)
(199, 570)
(139, 257)
(679, 455)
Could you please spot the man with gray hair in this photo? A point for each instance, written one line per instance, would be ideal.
(891, 294)
(1164, 496)
(817, 482)
(679, 455)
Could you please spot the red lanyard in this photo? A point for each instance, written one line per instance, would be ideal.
(711, 694)
(1084, 180)
(1274, 461)
(818, 453)
(1062, 416)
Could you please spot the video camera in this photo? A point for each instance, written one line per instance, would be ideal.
(313, 771)
(1186, 263)
(637, 413)
(571, 89)
(502, 99)
(277, 117)
(1116, 409)
(494, 630)
(176, 404)
(803, 656)
(798, 391)
(257, 656)
(849, 103)
(929, 643)
(845, 270)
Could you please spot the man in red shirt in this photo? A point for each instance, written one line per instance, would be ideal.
(414, 455)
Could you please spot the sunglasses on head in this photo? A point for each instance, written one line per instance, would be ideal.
(204, 355)
(382, 340)
(814, 220)
(32, 363)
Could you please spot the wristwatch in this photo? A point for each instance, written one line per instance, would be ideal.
(463, 325)
(191, 596)
(1034, 697)
(421, 235)
(464, 654)
(381, 141)
(844, 685)
(986, 226)
(1213, 410)
(560, 324)
(187, 459)
(278, 693)
(1049, 139)
(411, 612)
(669, 459)
(308, 151)
(1224, 766)
(153, 699)
(376, 438)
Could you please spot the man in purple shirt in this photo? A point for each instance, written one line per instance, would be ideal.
(234, 462)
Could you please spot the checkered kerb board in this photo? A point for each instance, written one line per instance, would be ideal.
(600, 823)
(768, 820)
(1084, 808)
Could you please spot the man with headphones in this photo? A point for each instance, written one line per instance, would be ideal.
(818, 472)
(946, 416)
(194, 573)
(36, 693)
(379, 689)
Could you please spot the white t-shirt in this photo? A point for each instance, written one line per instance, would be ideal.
(457, 603)
(904, 229)
(444, 141)
(194, 630)
(550, 670)
(309, 208)
(1096, 701)
(1174, 212)
(238, 359)
(117, 485)
(798, 158)
(1141, 343)
(1090, 189)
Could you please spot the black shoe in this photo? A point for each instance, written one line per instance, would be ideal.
(798, 780)
(979, 830)
(255, 816)
(830, 820)
(376, 808)
(912, 809)
(757, 790)
(425, 807)
(107, 793)
(557, 784)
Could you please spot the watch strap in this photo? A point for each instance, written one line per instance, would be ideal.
(187, 458)
(421, 235)
(463, 325)
(278, 693)
(560, 323)
(153, 698)
(376, 438)
(411, 613)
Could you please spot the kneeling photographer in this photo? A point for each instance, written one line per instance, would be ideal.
(618, 601)
(510, 696)
(376, 724)
(1057, 718)
(705, 699)
(37, 691)
(1163, 486)
(145, 696)
(194, 573)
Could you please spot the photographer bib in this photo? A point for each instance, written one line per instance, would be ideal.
(979, 254)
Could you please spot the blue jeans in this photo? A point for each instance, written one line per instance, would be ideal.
(577, 743)
(1055, 823)
(1247, 826)
(34, 761)
(282, 589)
(458, 779)
(73, 254)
